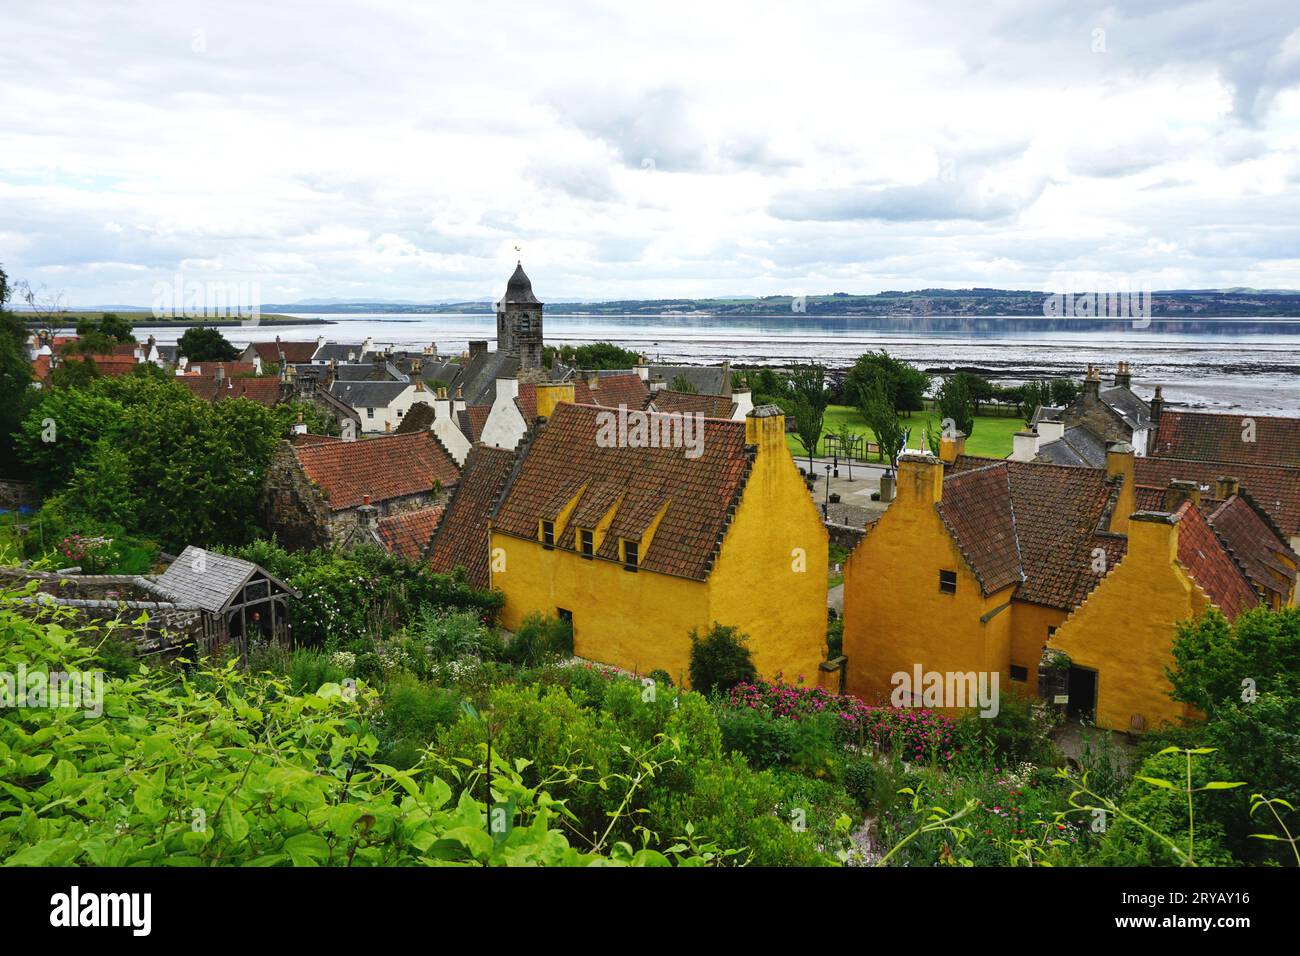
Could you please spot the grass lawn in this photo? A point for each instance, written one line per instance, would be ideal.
(991, 438)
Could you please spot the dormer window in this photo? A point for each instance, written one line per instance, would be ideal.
(587, 542)
(631, 556)
(547, 534)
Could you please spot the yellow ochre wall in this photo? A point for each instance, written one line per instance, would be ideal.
(1029, 624)
(642, 621)
(1125, 628)
(895, 616)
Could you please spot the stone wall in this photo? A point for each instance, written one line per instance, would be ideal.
(292, 507)
(17, 494)
(844, 536)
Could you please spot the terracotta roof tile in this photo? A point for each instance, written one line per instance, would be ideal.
(612, 391)
(696, 495)
(1208, 564)
(1213, 437)
(1256, 545)
(387, 466)
(976, 507)
(264, 390)
(478, 416)
(1273, 488)
(294, 352)
(407, 534)
(711, 406)
(461, 539)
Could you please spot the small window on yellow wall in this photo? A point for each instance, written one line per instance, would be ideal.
(587, 542)
(1019, 673)
(948, 582)
(631, 556)
(548, 534)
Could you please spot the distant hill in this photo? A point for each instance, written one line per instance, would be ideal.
(1191, 303)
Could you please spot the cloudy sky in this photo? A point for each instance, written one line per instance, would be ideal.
(403, 150)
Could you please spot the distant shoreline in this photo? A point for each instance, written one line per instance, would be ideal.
(69, 320)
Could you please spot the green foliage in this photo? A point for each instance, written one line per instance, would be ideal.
(902, 386)
(720, 659)
(1018, 732)
(955, 402)
(596, 355)
(100, 488)
(1033, 395)
(203, 344)
(109, 325)
(1064, 391)
(539, 640)
(1217, 664)
(681, 383)
(62, 430)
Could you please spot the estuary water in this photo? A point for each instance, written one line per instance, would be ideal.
(1216, 365)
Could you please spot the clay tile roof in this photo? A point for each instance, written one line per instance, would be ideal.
(294, 352)
(695, 495)
(388, 466)
(109, 366)
(306, 438)
(1208, 564)
(613, 390)
(1256, 545)
(461, 539)
(710, 406)
(976, 507)
(230, 369)
(1212, 437)
(264, 390)
(407, 534)
(1273, 488)
(476, 417)
(1056, 514)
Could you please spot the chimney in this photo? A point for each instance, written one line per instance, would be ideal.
(1123, 377)
(352, 356)
(257, 364)
(441, 405)
(367, 513)
(643, 368)
(1050, 431)
(1179, 492)
(477, 347)
(920, 481)
(220, 373)
(1024, 446)
(507, 389)
(416, 365)
(458, 405)
(726, 377)
(299, 428)
(1119, 464)
(743, 400)
(952, 447)
(765, 429)
(350, 434)
(550, 394)
(1226, 487)
(1092, 385)
(1153, 533)
(1153, 433)
(419, 385)
(593, 380)
(657, 383)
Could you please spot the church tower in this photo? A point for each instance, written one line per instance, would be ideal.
(519, 324)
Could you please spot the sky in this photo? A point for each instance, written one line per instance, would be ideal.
(412, 151)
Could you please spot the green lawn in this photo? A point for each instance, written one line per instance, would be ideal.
(991, 438)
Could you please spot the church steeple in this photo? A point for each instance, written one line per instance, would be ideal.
(519, 323)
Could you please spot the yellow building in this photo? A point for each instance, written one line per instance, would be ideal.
(640, 527)
(980, 565)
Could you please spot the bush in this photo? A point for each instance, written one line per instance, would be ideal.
(539, 640)
(720, 660)
(307, 670)
(413, 713)
(1019, 732)
(765, 741)
(860, 779)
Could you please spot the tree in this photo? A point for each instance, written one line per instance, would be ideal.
(100, 488)
(807, 385)
(720, 659)
(978, 387)
(596, 355)
(59, 433)
(878, 412)
(1033, 396)
(1064, 391)
(956, 406)
(681, 383)
(110, 325)
(203, 344)
(16, 394)
(904, 384)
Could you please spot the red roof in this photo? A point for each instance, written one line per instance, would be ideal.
(1273, 488)
(478, 416)
(712, 406)
(109, 366)
(1256, 545)
(1209, 564)
(696, 495)
(1246, 439)
(209, 369)
(264, 390)
(407, 534)
(611, 391)
(294, 352)
(384, 467)
(462, 538)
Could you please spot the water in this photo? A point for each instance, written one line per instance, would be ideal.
(1222, 365)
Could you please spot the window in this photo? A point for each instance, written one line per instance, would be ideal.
(564, 614)
(1019, 673)
(630, 555)
(370, 413)
(548, 534)
(1051, 632)
(587, 542)
(399, 413)
(948, 582)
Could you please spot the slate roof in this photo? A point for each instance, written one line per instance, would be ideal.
(710, 406)
(1273, 488)
(519, 290)
(461, 539)
(338, 352)
(477, 377)
(1125, 403)
(1030, 521)
(367, 394)
(407, 534)
(706, 380)
(696, 495)
(1208, 563)
(368, 372)
(387, 466)
(1076, 446)
(1214, 437)
(216, 585)
(1256, 544)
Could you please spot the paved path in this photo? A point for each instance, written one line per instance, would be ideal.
(835, 598)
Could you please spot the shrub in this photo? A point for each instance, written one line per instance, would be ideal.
(720, 659)
(764, 740)
(413, 713)
(539, 640)
(860, 779)
(307, 670)
(1018, 732)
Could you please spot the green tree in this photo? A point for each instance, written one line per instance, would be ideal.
(1064, 391)
(878, 412)
(720, 659)
(204, 344)
(956, 406)
(595, 355)
(979, 388)
(681, 383)
(807, 385)
(111, 326)
(16, 394)
(904, 384)
(100, 488)
(1034, 395)
(60, 432)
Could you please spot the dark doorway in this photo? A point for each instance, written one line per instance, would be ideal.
(1082, 687)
